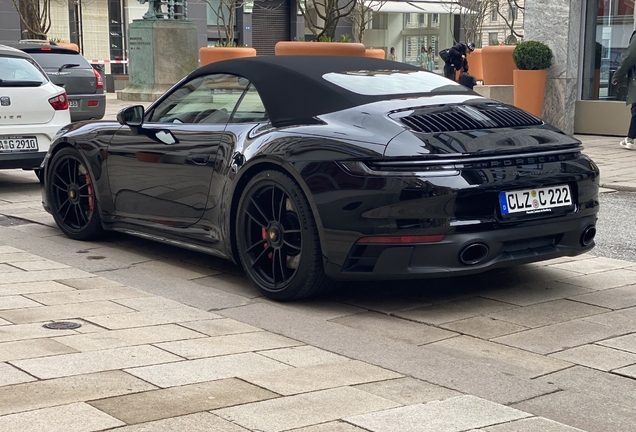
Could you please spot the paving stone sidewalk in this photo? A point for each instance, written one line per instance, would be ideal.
(141, 362)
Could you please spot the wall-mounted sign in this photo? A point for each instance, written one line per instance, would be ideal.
(248, 27)
(248, 6)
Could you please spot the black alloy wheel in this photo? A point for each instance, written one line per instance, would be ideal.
(278, 240)
(72, 198)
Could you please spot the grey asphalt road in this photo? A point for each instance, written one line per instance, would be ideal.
(616, 229)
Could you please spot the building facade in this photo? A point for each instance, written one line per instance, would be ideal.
(497, 24)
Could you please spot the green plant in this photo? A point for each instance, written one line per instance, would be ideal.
(344, 38)
(532, 55)
(325, 38)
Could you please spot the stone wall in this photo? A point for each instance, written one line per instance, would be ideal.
(558, 23)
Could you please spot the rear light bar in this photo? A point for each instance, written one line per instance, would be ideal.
(59, 103)
(98, 80)
(93, 103)
(405, 239)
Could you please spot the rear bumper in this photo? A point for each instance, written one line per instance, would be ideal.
(505, 247)
(85, 112)
(21, 160)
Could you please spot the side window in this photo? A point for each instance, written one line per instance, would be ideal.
(250, 109)
(208, 99)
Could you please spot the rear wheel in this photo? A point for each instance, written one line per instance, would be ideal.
(72, 195)
(277, 239)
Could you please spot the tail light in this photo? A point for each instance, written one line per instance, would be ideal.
(98, 80)
(59, 103)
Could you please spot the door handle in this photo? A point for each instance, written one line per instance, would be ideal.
(198, 159)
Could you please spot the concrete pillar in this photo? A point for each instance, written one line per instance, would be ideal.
(541, 19)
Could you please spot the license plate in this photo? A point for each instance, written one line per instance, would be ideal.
(18, 144)
(540, 200)
(73, 104)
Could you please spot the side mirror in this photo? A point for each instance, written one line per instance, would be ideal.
(132, 116)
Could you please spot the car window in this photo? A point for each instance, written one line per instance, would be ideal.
(206, 99)
(392, 82)
(50, 60)
(250, 109)
(20, 70)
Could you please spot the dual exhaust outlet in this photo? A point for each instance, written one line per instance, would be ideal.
(476, 253)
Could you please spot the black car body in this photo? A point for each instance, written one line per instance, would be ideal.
(329, 168)
(69, 69)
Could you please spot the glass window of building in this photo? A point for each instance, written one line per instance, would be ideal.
(434, 20)
(494, 14)
(493, 38)
(513, 13)
(380, 21)
(413, 47)
(609, 26)
(415, 20)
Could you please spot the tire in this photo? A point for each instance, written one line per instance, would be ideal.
(277, 239)
(72, 196)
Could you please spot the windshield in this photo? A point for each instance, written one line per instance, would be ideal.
(393, 82)
(53, 60)
(19, 71)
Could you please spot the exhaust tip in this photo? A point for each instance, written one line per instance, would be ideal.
(588, 235)
(473, 253)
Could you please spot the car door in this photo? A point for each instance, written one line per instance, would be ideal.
(160, 173)
(249, 119)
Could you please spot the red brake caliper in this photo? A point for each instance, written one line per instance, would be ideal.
(266, 245)
(91, 200)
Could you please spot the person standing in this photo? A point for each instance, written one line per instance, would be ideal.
(421, 58)
(392, 55)
(456, 59)
(627, 70)
(430, 59)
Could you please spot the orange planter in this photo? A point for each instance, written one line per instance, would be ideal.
(375, 53)
(475, 66)
(209, 55)
(529, 87)
(68, 45)
(497, 64)
(320, 48)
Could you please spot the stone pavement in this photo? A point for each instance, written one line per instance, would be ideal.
(172, 340)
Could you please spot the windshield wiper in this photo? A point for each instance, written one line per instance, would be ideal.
(67, 66)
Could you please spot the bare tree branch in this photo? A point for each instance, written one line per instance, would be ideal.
(35, 16)
(363, 14)
(510, 22)
(327, 11)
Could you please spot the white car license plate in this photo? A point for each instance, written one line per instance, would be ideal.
(73, 103)
(18, 144)
(538, 200)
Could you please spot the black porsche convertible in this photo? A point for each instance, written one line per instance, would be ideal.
(312, 170)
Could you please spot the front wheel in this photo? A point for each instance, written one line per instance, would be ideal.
(72, 196)
(277, 239)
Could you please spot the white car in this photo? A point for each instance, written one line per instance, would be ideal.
(32, 111)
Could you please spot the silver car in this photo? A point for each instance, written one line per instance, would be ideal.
(69, 69)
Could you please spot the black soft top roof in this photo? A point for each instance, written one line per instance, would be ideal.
(292, 88)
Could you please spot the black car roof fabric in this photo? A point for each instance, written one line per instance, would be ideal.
(292, 88)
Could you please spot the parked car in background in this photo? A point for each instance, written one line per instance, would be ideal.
(309, 170)
(69, 69)
(32, 110)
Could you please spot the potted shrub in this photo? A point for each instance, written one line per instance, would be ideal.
(533, 58)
